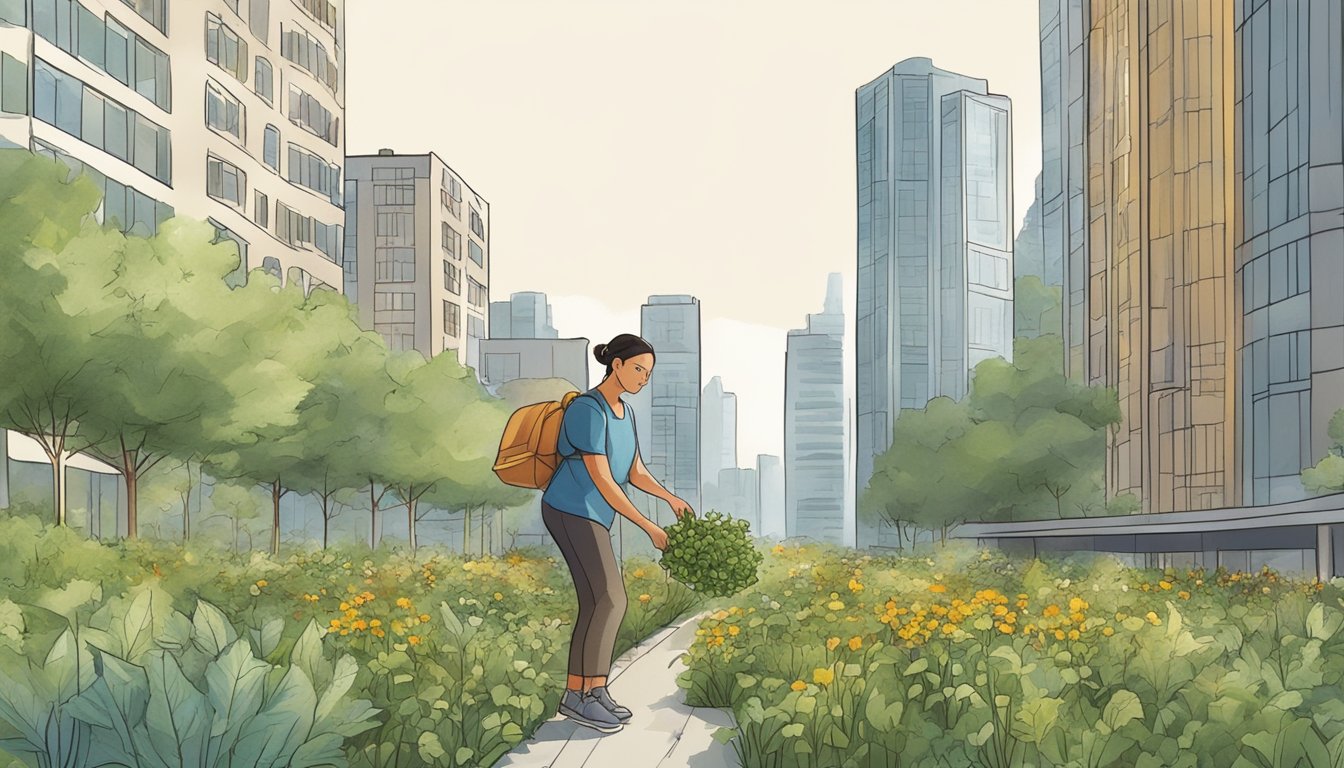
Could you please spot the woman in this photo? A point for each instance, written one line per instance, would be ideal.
(600, 451)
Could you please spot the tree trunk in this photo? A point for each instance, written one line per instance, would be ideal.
(466, 531)
(58, 485)
(130, 475)
(410, 518)
(482, 531)
(235, 534)
(275, 517)
(373, 518)
(186, 507)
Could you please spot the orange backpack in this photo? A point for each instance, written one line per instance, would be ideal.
(527, 451)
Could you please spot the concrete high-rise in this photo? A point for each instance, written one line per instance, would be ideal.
(418, 254)
(231, 113)
(738, 491)
(668, 410)
(1064, 37)
(1288, 165)
(718, 436)
(1162, 322)
(526, 315)
(935, 221)
(814, 424)
(770, 495)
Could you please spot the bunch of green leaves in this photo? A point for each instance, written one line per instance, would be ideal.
(713, 555)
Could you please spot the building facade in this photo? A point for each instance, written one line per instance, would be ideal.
(504, 360)
(526, 315)
(1064, 36)
(1288, 237)
(814, 424)
(227, 112)
(718, 434)
(417, 256)
(668, 411)
(934, 189)
(770, 495)
(1162, 318)
(738, 493)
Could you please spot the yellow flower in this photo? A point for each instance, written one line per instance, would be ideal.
(1074, 634)
(1006, 629)
(375, 623)
(855, 586)
(424, 618)
(335, 623)
(855, 643)
(734, 630)
(798, 685)
(1107, 631)
(832, 644)
(937, 588)
(345, 606)
(261, 583)
(360, 625)
(1153, 619)
(378, 633)
(949, 629)
(1051, 610)
(1183, 595)
(1059, 634)
(645, 598)
(413, 639)
(404, 603)
(1000, 610)
(1164, 584)
(823, 676)
(836, 605)
(639, 573)
(499, 596)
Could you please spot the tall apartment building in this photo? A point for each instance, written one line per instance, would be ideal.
(1064, 35)
(226, 111)
(1162, 307)
(417, 253)
(935, 221)
(814, 424)
(668, 410)
(718, 431)
(770, 495)
(526, 315)
(1288, 236)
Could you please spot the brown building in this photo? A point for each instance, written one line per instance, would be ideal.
(1162, 310)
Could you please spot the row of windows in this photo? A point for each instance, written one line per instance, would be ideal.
(394, 193)
(258, 17)
(306, 51)
(13, 85)
(108, 46)
(309, 170)
(224, 48)
(395, 228)
(299, 230)
(153, 11)
(322, 11)
(402, 301)
(224, 113)
(394, 264)
(124, 207)
(988, 270)
(308, 113)
(68, 104)
(1281, 274)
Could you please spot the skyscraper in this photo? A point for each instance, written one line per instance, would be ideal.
(418, 254)
(770, 495)
(1064, 36)
(1288, 240)
(814, 424)
(526, 315)
(672, 430)
(1162, 306)
(231, 113)
(935, 222)
(718, 436)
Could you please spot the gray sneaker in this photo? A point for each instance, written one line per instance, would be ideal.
(586, 709)
(604, 696)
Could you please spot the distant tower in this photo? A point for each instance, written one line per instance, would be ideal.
(814, 424)
(671, 430)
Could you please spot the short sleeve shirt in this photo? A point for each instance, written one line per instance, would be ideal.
(591, 426)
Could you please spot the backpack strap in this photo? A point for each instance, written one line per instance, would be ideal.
(603, 408)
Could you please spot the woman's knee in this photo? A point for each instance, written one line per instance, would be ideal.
(613, 601)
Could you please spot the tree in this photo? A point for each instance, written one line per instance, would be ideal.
(240, 504)
(1328, 474)
(1036, 308)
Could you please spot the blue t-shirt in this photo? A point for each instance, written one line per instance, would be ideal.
(590, 426)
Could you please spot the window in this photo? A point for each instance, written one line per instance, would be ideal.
(263, 79)
(397, 302)
(13, 12)
(476, 294)
(477, 225)
(475, 252)
(321, 10)
(308, 113)
(13, 85)
(309, 170)
(224, 48)
(259, 19)
(270, 151)
(396, 228)
(452, 241)
(153, 11)
(261, 210)
(291, 226)
(308, 52)
(224, 181)
(394, 186)
(987, 270)
(452, 319)
(106, 45)
(452, 278)
(327, 240)
(60, 100)
(394, 265)
(124, 208)
(223, 113)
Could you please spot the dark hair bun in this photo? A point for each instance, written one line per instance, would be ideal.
(623, 347)
(600, 352)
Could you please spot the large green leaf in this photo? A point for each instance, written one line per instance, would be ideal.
(271, 738)
(267, 638)
(214, 633)
(178, 717)
(307, 656)
(22, 709)
(234, 684)
(346, 670)
(1123, 707)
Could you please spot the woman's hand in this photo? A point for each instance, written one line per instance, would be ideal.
(657, 535)
(679, 507)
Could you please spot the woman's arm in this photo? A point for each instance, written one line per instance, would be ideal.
(641, 478)
(600, 470)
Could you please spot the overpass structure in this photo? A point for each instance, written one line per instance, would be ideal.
(1305, 537)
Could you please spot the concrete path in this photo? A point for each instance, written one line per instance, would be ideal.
(664, 732)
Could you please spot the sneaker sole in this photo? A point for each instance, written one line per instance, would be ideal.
(581, 720)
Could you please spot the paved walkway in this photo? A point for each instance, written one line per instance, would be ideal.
(664, 732)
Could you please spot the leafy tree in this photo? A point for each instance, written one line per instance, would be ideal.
(1036, 308)
(1328, 475)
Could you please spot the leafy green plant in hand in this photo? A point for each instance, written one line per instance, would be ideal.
(713, 555)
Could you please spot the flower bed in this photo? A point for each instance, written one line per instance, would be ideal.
(967, 658)
(446, 661)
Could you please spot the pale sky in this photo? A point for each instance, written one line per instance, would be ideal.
(699, 146)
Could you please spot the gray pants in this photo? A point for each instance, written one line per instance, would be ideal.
(586, 546)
